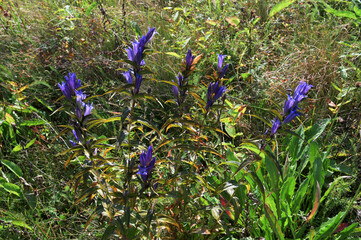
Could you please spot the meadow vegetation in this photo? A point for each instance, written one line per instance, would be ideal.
(200, 119)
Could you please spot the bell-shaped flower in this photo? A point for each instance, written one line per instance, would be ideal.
(128, 76)
(221, 71)
(276, 124)
(147, 162)
(87, 109)
(302, 88)
(82, 109)
(148, 36)
(179, 94)
(135, 53)
(138, 82)
(214, 92)
(71, 84)
(290, 103)
(189, 60)
(292, 115)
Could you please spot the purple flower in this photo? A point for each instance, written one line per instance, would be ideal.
(220, 62)
(290, 103)
(293, 114)
(290, 110)
(214, 92)
(189, 60)
(146, 164)
(149, 35)
(302, 88)
(301, 91)
(135, 53)
(77, 135)
(64, 88)
(71, 84)
(275, 126)
(81, 106)
(175, 92)
(88, 109)
(179, 94)
(221, 71)
(138, 82)
(128, 76)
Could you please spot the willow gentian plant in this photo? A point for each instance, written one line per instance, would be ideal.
(216, 90)
(136, 59)
(290, 110)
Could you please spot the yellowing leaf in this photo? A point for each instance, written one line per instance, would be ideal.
(234, 21)
(9, 118)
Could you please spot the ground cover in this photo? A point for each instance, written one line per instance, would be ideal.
(218, 134)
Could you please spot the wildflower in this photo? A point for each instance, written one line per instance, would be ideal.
(128, 76)
(293, 114)
(88, 109)
(189, 60)
(138, 82)
(275, 126)
(146, 164)
(149, 35)
(71, 84)
(176, 92)
(80, 105)
(135, 53)
(179, 95)
(301, 91)
(290, 110)
(221, 71)
(214, 92)
(290, 103)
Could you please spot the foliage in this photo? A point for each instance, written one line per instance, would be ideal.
(166, 135)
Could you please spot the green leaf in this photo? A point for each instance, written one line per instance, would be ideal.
(318, 171)
(316, 130)
(253, 147)
(13, 167)
(300, 194)
(357, 11)
(273, 222)
(341, 13)
(173, 54)
(327, 228)
(287, 190)
(280, 6)
(273, 174)
(296, 143)
(17, 148)
(33, 122)
(12, 188)
(344, 234)
(30, 143)
(108, 232)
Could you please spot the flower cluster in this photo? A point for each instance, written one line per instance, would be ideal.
(180, 91)
(215, 90)
(136, 55)
(69, 87)
(290, 110)
(146, 164)
(221, 71)
(81, 109)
